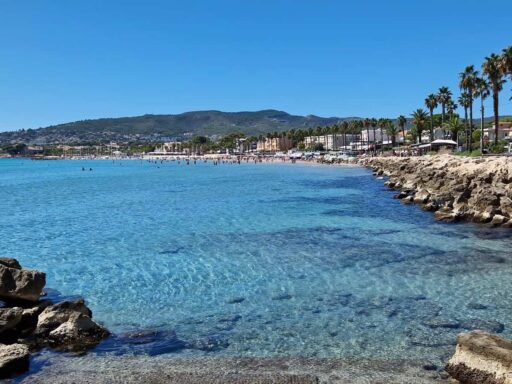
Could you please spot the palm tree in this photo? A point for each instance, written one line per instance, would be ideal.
(358, 128)
(359, 131)
(380, 124)
(444, 95)
(481, 91)
(491, 68)
(392, 131)
(467, 82)
(454, 125)
(506, 61)
(419, 117)
(450, 108)
(333, 130)
(401, 123)
(367, 123)
(345, 129)
(374, 124)
(464, 101)
(431, 104)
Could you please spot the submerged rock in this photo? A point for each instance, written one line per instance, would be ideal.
(283, 296)
(483, 325)
(477, 306)
(442, 323)
(481, 358)
(14, 359)
(17, 283)
(236, 300)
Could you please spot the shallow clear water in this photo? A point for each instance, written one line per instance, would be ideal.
(255, 260)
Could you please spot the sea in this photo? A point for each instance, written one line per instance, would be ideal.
(253, 260)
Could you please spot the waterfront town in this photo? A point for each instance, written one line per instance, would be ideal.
(348, 139)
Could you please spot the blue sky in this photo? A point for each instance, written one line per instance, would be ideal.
(67, 60)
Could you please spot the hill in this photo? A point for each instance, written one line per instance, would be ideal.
(150, 128)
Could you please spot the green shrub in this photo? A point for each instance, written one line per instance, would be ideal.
(498, 148)
(473, 153)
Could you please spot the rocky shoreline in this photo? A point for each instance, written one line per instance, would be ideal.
(454, 188)
(29, 321)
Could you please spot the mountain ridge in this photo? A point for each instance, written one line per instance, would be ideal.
(165, 127)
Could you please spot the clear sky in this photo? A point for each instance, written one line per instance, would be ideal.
(66, 60)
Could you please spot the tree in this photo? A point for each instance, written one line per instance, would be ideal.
(374, 122)
(444, 95)
(401, 123)
(450, 108)
(392, 131)
(355, 128)
(467, 82)
(345, 128)
(318, 147)
(431, 104)
(506, 62)
(413, 132)
(454, 125)
(482, 92)
(464, 101)
(383, 123)
(367, 123)
(419, 117)
(491, 68)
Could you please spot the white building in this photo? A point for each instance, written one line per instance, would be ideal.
(331, 142)
(379, 136)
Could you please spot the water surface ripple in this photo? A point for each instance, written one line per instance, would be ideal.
(255, 260)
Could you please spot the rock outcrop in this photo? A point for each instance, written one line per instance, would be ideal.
(68, 326)
(17, 283)
(14, 358)
(454, 188)
(29, 322)
(481, 358)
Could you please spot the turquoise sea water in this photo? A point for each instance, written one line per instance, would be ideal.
(255, 260)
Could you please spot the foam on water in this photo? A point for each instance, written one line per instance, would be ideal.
(255, 260)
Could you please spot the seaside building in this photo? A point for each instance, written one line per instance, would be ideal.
(169, 148)
(504, 132)
(379, 136)
(332, 142)
(439, 134)
(243, 145)
(32, 150)
(274, 144)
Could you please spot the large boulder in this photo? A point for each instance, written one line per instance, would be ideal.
(481, 358)
(10, 318)
(14, 359)
(78, 333)
(17, 283)
(54, 315)
(68, 326)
